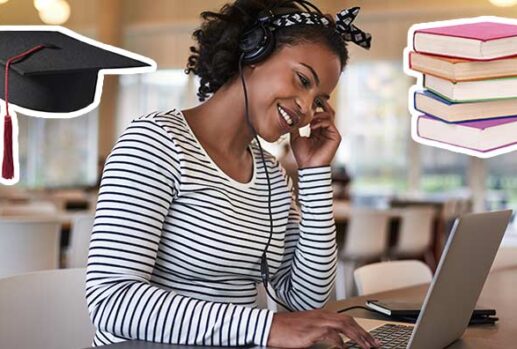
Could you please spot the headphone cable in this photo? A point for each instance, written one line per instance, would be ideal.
(264, 268)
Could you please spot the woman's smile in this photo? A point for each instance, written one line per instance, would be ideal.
(285, 127)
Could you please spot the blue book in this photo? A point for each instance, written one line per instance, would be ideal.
(432, 104)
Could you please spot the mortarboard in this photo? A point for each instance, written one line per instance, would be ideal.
(53, 72)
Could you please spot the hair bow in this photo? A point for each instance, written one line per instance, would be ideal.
(349, 31)
(344, 26)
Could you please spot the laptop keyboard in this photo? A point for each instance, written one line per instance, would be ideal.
(391, 336)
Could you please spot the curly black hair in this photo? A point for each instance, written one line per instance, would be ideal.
(216, 59)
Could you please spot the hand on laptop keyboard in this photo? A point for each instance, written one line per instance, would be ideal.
(306, 328)
(391, 336)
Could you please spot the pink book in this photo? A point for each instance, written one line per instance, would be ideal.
(477, 41)
(482, 135)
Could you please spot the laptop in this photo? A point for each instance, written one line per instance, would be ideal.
(455, 289)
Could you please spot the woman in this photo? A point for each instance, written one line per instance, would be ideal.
(191, 211)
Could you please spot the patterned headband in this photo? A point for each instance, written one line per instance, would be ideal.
(344, 26)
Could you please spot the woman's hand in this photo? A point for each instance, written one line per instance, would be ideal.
(318, 149)
(303, 329)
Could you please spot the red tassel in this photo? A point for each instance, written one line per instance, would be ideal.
(8, 165)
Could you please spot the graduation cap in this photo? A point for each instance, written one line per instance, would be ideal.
(53, 72)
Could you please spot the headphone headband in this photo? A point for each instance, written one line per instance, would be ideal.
(259, 41)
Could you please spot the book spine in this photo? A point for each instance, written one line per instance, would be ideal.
(418, 126)
(426, 112)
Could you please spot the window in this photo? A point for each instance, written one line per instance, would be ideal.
(58, 153)
(375, 126)
(442, 170)
(158, 91)
(501, 181)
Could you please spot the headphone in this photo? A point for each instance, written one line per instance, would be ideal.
(256, 44)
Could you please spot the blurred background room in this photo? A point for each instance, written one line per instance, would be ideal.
(406, 195)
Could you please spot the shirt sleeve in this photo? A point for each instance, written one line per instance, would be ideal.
(308, 269)
(140, 180)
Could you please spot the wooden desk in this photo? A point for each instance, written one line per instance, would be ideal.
(499, 293)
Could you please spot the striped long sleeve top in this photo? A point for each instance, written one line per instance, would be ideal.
(176, 244)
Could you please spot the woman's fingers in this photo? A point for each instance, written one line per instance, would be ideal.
(321, 123)
(329, 110)
(303, 329)
(333, 338)
(355, 337)
(347, 326)
(356, 333)
(325, 115)
(326, 126)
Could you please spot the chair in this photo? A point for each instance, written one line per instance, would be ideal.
(506, 257)
(77, 252)
(464, 206)
(415, 235)
(450, 211)
(28, 244)
(366, 239)
(45, 310)
(384, 276)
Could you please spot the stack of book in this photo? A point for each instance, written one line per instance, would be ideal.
(469, 71)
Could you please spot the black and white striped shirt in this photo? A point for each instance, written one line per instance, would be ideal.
(176, 243)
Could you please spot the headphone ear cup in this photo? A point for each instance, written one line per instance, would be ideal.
(256, 44)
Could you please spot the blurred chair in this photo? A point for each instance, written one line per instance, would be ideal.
(385, 276)
(415, 235)
(77, 252)
(35, 208)
(464, 206)
(45, 310)
(447, 216)
(450, 211)
(28, 244)
(506, 257)
(366, 240)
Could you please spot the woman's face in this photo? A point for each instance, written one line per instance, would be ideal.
(294, 80)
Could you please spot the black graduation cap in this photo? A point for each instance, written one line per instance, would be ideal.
(55, 73)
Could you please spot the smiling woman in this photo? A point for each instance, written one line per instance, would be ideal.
(192, 214)
(304, 76)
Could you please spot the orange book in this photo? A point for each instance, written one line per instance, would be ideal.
(459, 69)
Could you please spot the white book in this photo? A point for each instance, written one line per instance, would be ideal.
(469, 91)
